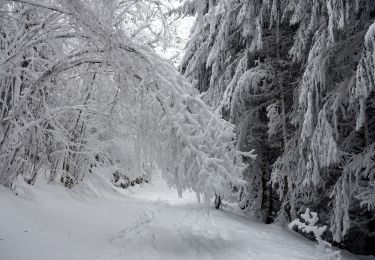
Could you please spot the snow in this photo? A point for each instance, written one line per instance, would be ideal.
(143, 222)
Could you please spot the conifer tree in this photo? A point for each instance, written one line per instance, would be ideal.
(296, 78)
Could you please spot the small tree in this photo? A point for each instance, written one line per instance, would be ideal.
(309, 225)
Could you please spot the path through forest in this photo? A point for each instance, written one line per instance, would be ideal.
(147, 222)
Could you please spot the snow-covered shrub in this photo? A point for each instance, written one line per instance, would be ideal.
(120, 180)
(309, 225)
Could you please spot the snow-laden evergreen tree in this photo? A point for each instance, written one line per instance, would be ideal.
(297, 79)
(243, 78)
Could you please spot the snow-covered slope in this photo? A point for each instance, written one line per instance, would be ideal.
(147, 222)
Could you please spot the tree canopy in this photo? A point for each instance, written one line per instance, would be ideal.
(75, 79)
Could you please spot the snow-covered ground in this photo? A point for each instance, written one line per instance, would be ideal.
(48, 222)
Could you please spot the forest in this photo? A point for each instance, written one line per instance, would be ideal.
(267, 112)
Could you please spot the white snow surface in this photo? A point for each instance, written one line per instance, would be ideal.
(144, 222)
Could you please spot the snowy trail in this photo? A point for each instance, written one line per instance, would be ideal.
(147, 222)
